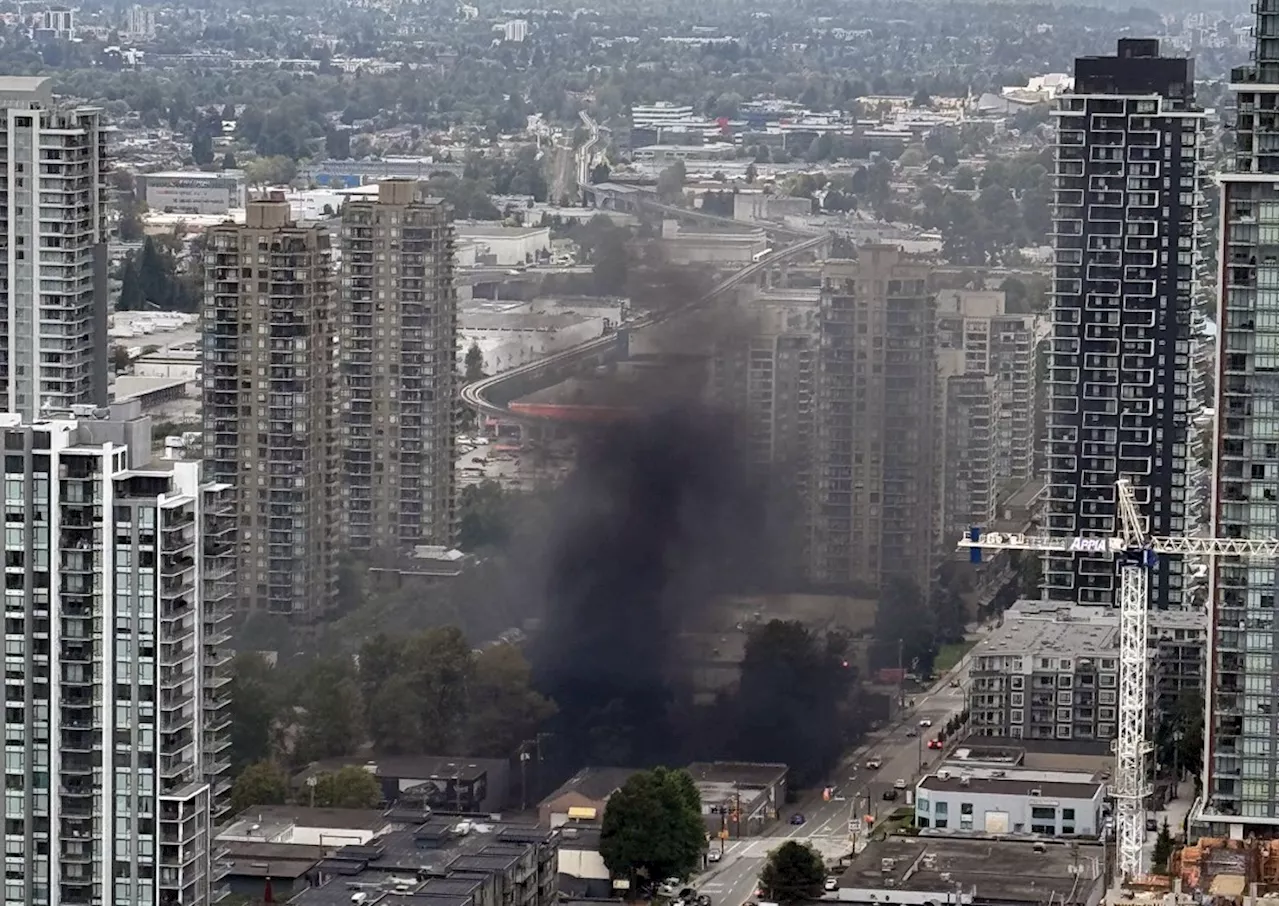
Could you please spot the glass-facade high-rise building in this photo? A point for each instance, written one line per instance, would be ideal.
(53, 278)
(115, 728)
(1240, 793)
(1128, 199)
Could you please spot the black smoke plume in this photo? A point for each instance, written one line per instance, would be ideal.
(661, 514)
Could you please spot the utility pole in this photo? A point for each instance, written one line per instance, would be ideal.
(902, 696)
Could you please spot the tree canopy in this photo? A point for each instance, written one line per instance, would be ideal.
(794, 873)
(792, 697)
(260, 783)
(653, 827)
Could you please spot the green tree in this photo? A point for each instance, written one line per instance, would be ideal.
(484, 518)
(652, 827)
(349, 787)
(254, 708)
(793, 873)
(1164, 847)
(331, 722)
(473, 363)
(260, 783)
(670, 186)
(790, 675)
(903, 617)
(202, 147)
(441, 663)
(503, 706)
(130, 287)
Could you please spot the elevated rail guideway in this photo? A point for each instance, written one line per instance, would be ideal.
(492, 396)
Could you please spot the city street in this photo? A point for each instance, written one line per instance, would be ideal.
(732, 881)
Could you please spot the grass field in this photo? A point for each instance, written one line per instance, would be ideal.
(950, 655)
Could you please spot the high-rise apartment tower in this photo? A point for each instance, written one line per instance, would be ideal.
(53, 280)
(987, 397)
(115, 726)
(874, 474)
(1241, 759)
(766, 367)
(1124, 237)
(271, 405)
(398, 361)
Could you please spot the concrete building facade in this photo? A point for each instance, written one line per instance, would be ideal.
(271, 405)
(1051, 671)
(53, 280)
(987, 395)
(1124, 234)
(398, 361)
(193, 191)
(115, 732)
(1243, 696)
(767, 369)
(874, 495)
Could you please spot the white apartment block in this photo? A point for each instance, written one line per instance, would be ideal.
(115, 725)
(53, 278)
(1051, 670)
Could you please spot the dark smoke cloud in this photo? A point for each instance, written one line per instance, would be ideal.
(661, 514)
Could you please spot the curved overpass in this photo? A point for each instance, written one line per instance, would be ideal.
(492, 395)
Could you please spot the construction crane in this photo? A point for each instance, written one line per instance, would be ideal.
(1136, 553)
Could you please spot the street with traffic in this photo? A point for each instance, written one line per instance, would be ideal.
(856, 792)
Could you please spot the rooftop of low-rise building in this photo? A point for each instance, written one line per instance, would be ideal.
(278, 824)
(438, 862)
(1005, 871)
(1012, 782)
(740, 773)
(594, 782)
(1034, 637)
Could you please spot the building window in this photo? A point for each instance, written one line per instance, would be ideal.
(1068, 814)
(1042, 812)
(940, 823)
(966, 808)
(940, 808)
(1045, 829)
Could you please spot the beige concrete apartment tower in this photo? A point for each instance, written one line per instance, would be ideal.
(398, 354)
(875, 490)
(271, 405)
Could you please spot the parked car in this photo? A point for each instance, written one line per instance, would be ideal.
(797, 819)
(714, 856)
(899, 784)
(890, 794)
(831, 884)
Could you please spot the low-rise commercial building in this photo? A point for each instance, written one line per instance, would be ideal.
(336, 857)
(739, 799)
(583, 796)
(506, 246)
(1011, 801)
(447, 783)
(683, 245)
(193, 191)
(929, 869)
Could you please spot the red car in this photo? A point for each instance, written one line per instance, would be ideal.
(935, 744)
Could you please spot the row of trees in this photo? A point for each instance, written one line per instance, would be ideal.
(653, 829)
(426, 692)
(267, 783)
(150, 279)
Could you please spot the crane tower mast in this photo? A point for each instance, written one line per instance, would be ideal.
(1136, 553)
